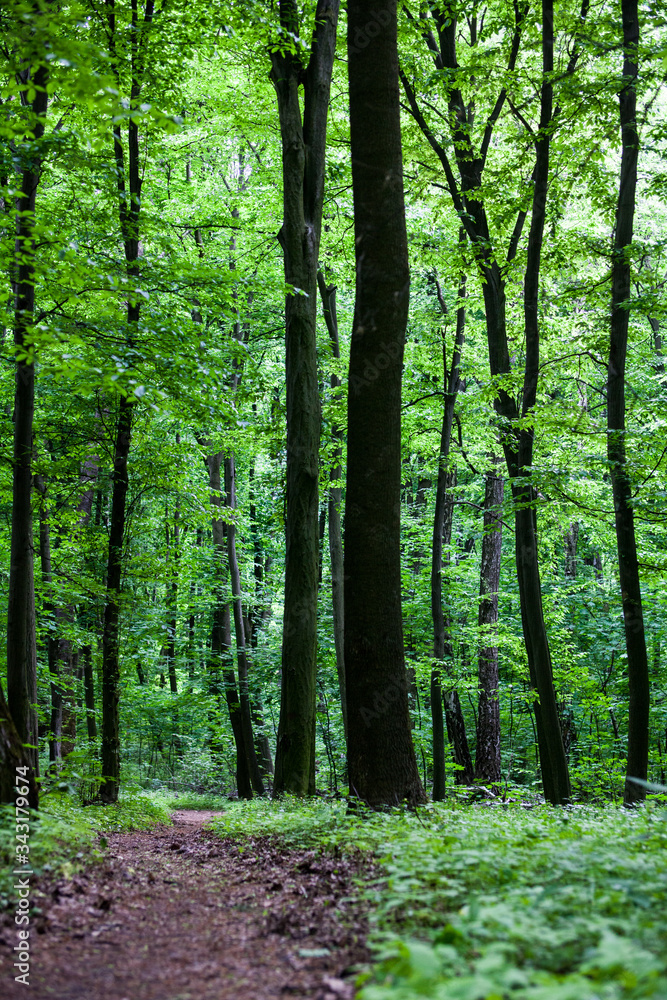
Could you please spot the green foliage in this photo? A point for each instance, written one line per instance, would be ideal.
(498, 902)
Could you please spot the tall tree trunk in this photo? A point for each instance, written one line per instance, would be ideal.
(555, 776)
(52, 619)
(221, 634)
(382, 766)
(303, 146)
(487, 754)
(635, 639)
(89, 691)
(110, 655)
(239, 630)
(517, 445)
(442, 530)
(328, 296)
(21, 651)
(128, 182)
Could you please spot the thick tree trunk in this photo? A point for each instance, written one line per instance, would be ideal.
(487, 754)
(635, 638)
(14, 760)
(303, 145)
(21, 652)
(239, 630)
(382, 766)
(328, 295)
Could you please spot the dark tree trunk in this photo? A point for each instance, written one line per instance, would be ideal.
(487, 754)
(13, 757)
(635, 639)
(53, 620)
(517, 446)
(128, 182)
(303, 145)
(89, 691)
(221, 639)
(382, 766)
(239, 631)
(21, 652)
(110, 655)
(328, 295)
(442, 531)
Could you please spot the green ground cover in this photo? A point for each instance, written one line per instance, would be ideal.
(502, 901)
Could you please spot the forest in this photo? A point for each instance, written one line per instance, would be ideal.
(334, 470)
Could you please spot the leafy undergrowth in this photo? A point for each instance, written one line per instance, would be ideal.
(63, 834)
(499, 902)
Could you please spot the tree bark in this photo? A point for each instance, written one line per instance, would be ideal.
(382, 766)
(303, 146)
(221, 634)
(328, 296)
(21, 651)
(239, 630)
(487, 754)
(13, 755)
(442, 531)
(128, 183)
(633, 618)
(517, 445)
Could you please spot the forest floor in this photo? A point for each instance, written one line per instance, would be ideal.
(175, 913)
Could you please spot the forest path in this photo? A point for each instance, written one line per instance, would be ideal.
(176, 913)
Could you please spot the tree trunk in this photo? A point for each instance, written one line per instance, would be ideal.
(487, 754)
(239, 630)
(53, 620)
(328, 295)
(128, 182)
(14, 761)
(442, 531)
(382, 766)
(110, 655)
(635, 639)
(303, 145)
(89, 691)
(221, 634)
(21, 651)
(517, 445)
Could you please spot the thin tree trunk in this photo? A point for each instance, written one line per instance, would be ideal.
(53, 620)
(89, 691)
(110, 654)
(382, 766)
(21, 651)
(442, 530)
(487, 754)
(239, 630)
(635, 638)
(221, 634)
(128, 182)
(328, 296)
(303, 146)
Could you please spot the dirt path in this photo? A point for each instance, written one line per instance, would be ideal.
(177, 914)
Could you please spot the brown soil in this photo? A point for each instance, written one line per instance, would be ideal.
(179, 914)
